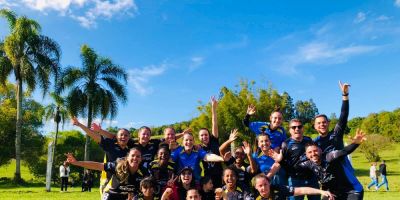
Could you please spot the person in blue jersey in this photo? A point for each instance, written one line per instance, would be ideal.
(210, 144)
(266, 191)
(188, 156)
(331, 171)
(126, 174)
(243, 170)
(274, 128)
(293, 150)
(333, 140)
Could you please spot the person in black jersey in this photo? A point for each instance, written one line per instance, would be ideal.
(210, 144)
(162, 169)
(331, 171)
(126, 174)
(333, 140)
(206, 188)
(266, 191)
(293, 154)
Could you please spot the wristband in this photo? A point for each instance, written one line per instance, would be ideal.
(345, 95)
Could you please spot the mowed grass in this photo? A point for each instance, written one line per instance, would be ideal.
(35, 189)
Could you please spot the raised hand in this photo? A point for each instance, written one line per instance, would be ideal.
(75, 121)
(227, 156)
(233, 135)
(246, 148)
(70, 158)
(251, 110)
(172, 180)
(219, 194)
(214, 102)
(95, 127)
(188, 130)
(360, 137)
(274, 155)
(167, 192)
(344, 87)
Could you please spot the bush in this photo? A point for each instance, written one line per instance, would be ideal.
(373, 145)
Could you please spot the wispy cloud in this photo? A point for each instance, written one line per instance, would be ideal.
(86, 12)
(139, 78)
(397, 3)
(361, 16)
(195, 62)
(134, 124)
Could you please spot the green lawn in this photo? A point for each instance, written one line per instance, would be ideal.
(35, 189)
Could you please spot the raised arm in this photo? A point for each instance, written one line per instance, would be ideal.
(224, 146)
(86, 164)
(247, 150)
(359, 138)
(298, 191)
(214, 119)
(344, 115)
(96, 137)
(251, 110)
(97, 128)
(179, 135)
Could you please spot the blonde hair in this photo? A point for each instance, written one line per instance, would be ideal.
(122, 168)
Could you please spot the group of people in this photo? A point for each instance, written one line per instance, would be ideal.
(374, 175)
(279, 168)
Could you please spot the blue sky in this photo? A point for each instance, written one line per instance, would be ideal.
(180, 52)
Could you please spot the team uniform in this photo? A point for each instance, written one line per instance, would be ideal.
(334, 174)
(148, 151)
(192, 160)
(240, 193)
(243, 173)
(213, 169)
(120, 188)
(293, 154)
(334, 139)
(162, 174)
(283, 190)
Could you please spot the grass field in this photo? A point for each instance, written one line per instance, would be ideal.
(35, 189)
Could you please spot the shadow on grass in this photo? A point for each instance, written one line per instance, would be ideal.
(7, 183)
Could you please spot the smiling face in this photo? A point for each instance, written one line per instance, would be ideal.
(230, 178)
(134, 158)
(262, 186)
(163, 156)
(264, 143)
(276, 120)
(313, 153)
(296, 130)
(188, 141)
(144, 136)
(186, 177)
(123, 137)
(208, 186)
(147, 191)
(204, 136)
(192, 195)
(239, 155)
(169, 135)
(321, 125)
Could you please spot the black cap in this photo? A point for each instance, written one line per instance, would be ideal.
(187, 168)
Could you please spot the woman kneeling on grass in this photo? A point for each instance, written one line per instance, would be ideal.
(126, 174)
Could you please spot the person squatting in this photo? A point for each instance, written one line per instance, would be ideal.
(278, 168)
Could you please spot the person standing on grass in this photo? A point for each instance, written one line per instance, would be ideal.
(64, 174)
(382, 171)
(373, 176)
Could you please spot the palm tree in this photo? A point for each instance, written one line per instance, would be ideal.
(95, 88)
(32, 57)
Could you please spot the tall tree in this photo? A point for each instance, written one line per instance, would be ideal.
(95, 88)
(32, 57)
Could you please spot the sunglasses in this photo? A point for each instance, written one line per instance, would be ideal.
(294, 127)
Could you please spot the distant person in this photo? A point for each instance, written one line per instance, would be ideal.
(373, 176)
(382, 171)
(87, 181)
(64, 174)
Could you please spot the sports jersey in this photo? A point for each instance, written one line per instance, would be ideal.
(333, 172)
(191, 160)
(264, 162)
(276, 136)
(162, 174)
(334, 139)
(148, 151)
(293, 154)
(112, 149)
(240, 193)
(242, 172)
(283, 190)
(213, 169)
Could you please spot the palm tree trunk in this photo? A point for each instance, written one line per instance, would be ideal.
(90, 114)
(17, 176)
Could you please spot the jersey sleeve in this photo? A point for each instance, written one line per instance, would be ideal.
(255, 126)
(110, 167)
(341, 125)
(284, 190)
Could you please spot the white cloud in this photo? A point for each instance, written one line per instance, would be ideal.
(383, 18)
(86, 12)
(397, 3)
(139, 78)
(134, 124)
(360, 17)
(7, 4)
(196, 62)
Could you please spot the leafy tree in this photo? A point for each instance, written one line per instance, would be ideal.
(95, 88)
(305, 110)
(33, 59)
(373, 146)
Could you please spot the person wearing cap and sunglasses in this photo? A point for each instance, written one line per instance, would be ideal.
(293, 150)
(178, 187)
